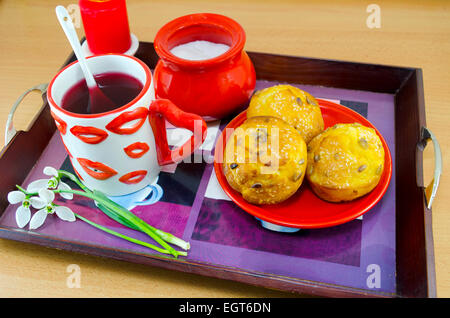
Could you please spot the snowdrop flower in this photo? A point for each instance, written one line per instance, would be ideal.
(45, 203)
(53, 183)
(23, 213)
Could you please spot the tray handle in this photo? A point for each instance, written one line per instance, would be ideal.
(431, 189)
(10, 131)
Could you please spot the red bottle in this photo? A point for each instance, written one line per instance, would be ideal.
(211, 88)
(106, 25)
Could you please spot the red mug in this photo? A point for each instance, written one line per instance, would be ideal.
(212, 88)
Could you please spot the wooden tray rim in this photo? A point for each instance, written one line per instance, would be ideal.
(231, 273)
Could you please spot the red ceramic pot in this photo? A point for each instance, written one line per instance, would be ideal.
(211, 88)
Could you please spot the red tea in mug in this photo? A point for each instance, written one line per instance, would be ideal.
(118, 87)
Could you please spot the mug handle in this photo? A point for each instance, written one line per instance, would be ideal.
(162, 109)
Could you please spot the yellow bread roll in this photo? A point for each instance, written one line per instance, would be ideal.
(265, 160)
(345, 162)
(295, 106)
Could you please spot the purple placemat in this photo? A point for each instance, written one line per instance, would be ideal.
(358, 254)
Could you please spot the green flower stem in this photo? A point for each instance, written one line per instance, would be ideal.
(127, 214)
(168, 237)
(72, 177)
(27, 194)
(164, 251)
(129, 218)
(164, 235)
(172, 239)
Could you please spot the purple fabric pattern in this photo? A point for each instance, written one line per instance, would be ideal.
(223, 222)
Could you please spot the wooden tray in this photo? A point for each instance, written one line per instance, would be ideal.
(413, 274)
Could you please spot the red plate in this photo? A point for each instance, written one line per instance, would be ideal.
(304, 209)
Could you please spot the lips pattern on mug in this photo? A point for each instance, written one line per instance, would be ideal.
(60, 124)
(128, 123)
(136, 150)
(96, 170)
(88, 134)
(133, 177)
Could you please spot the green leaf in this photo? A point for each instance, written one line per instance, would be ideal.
(128, 217)
(113, 206)
(113, 215)
(133, 240)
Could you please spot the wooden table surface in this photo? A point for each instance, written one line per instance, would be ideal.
(33, 47)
